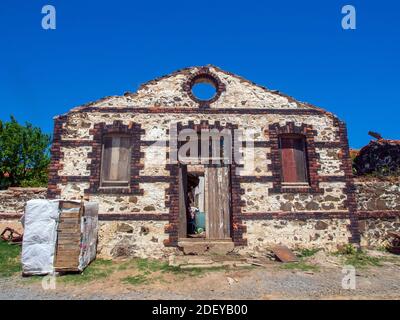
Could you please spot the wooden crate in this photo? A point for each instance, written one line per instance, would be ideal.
(68, 247)
(76, 236)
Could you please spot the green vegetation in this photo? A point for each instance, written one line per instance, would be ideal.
(304, 253)
(9, 259)
(136, 280)
(359, 259)
(98, 269)
(347, 249)
(151, 270)
(362, 260)
(301, 265)
(142, 271)
(24, 155)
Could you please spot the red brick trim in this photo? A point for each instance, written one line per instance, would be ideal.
(133, 216)
(98, 132)
(264, 179)
(386, 214)
(10, 216)
(362, 215)
(204, 74)
(346, 166)
(274, 131)
(163, 110)
(56, 156)
(295, 215)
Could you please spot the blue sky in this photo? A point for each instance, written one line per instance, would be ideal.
(103, 48)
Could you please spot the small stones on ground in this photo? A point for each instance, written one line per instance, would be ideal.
(230, 281)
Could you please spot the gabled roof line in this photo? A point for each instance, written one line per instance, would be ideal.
(188, 70)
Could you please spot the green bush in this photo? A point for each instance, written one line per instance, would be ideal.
(24, 155)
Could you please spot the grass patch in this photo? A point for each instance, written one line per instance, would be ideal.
(301, 265)
(9, 259)
(153, 270)
(98, 269)
(361, 260)
(150, 265)
(136, 280)
(304, 253)
(347, 249)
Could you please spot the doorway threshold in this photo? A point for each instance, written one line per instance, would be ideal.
(201, 246)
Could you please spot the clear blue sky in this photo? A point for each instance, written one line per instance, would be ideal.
(103, 48)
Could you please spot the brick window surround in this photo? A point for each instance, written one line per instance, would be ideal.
(204, 75)
(275, 131)
(101, 130)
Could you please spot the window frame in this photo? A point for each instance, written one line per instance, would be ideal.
(303, 139)
(125, 184)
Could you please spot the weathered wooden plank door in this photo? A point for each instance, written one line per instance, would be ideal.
(182, 232)
(293, 159)
(217, 198)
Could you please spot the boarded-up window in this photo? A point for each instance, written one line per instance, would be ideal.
(115, 166)
(294, 159)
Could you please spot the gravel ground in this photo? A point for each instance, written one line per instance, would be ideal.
(268, 282)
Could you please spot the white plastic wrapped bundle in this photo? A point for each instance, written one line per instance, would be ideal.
(40, 236)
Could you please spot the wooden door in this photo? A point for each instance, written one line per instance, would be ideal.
(293, 159)
(218, 200)
(182, 232)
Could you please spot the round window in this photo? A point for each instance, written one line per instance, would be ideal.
(204, 91)
(204, 88)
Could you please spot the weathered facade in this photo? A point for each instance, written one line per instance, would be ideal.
(293, 185)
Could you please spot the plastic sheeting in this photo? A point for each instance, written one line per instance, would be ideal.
(40, 236)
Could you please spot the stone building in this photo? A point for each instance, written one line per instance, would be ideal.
(288, 179)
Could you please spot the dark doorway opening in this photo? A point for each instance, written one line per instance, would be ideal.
(204, 202)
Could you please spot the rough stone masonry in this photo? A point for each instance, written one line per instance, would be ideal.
(312, 201)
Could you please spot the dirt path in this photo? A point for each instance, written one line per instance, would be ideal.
(270, 281)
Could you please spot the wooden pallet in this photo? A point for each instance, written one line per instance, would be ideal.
(68, 237)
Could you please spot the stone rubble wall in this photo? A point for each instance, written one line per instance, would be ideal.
(145, 238)
(381, 197)
(142, 239)
(168, 92)
(375, 194)
(257, 199)
(12, 205)
(155, 126)
(13, 200)
(262, 235)
(374, 231)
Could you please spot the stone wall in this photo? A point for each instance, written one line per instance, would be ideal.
(377, 194)
(144, 239)
(262, 235)
(378, 205)
(12, 205)
(13, 200)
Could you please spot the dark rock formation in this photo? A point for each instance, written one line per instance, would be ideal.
(381, 157)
